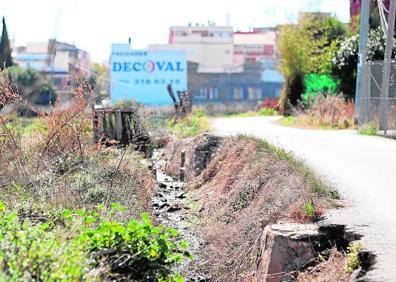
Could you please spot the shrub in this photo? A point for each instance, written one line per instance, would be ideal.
(353, 261)
(307, 47)
(318, 84)
(332, 111)
(87, 246)
(369, 129)
(269, 103)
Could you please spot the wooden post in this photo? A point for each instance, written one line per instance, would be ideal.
(182, 172)
(118, 126)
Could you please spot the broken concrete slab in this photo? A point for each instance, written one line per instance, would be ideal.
(290, 247)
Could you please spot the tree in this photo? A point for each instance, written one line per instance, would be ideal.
(5, 48)
(346, 58)
(307, 47)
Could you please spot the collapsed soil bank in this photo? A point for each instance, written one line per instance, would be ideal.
(235, 187)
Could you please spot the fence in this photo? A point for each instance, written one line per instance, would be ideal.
(371, 104)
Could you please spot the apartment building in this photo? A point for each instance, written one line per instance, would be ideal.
(60, 62)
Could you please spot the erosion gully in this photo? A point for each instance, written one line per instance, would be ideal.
(171, 210)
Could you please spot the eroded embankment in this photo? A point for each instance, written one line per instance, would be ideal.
(235, 187)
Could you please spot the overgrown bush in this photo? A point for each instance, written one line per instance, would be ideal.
(51, 161)
(345, 59)
(318, 85)
(307, 47)
(353, 261)
(370, 129)
(325, 112)
(87, 246)
(332, 111)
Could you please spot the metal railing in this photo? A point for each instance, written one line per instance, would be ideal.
(373, 105)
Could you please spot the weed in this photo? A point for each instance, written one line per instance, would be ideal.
(309, 209)
(190, 126)
(353, 261)
(308, 212)
(267, 112)
(87, 245)
(369, 129)
(288, 121)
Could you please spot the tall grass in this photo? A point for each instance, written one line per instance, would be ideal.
(323, 112)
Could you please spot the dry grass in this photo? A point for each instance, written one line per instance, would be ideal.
(8, 92)
(56, 165)
(330, 112)
(247, 185)
(329, 270)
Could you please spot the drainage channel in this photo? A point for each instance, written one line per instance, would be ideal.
(171, 210)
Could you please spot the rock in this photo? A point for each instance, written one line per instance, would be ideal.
(289, 247)
(203, 152)
(182, 195)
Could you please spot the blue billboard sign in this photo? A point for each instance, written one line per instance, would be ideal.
(143, 75)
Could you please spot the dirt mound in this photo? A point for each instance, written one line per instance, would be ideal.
(245, 185)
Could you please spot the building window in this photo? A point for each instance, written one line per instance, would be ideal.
(238, 93)
(202, 94)
(254, 93)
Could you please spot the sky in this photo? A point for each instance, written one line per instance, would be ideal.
(94, 24)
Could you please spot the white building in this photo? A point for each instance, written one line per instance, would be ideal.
(212, 47)
(60, 61)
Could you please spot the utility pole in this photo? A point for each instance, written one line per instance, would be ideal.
(362, 58)
(387, 68)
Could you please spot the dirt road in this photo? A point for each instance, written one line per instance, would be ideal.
(362, 169)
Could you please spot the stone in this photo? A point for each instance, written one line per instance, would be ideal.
(289, 247)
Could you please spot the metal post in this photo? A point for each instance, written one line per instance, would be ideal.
(387, 68)
(362, 58)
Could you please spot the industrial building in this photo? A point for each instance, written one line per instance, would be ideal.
(228, 66)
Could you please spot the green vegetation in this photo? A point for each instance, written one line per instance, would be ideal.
(353, 261)
(346, 58)
(307, 47)
(260, 112)
(369, 129)
(318, 84)
(190, 126)
(309, 209)
(267, 112)
(5, 48)
(86, 245)
(32, 85)
(288, 121)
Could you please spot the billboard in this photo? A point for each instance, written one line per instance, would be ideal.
(143, 75)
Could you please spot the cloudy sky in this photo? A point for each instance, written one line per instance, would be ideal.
(94, 24)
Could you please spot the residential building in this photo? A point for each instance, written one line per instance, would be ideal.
(211, 46)
(255, 45)
(60, 62)
(226, 66)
